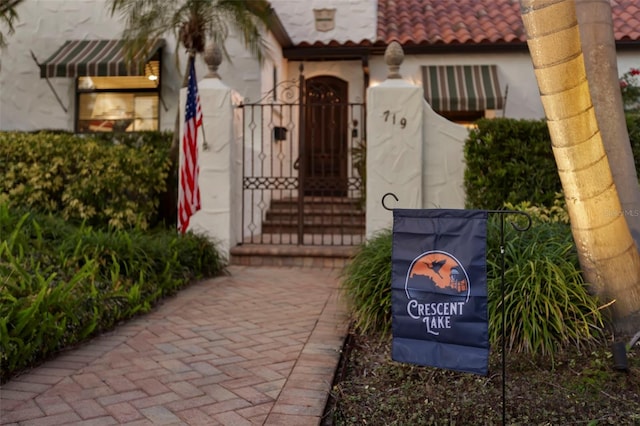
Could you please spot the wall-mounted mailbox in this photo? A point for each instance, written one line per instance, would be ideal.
(279, 133)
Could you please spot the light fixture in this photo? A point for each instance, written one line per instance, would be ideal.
(86, 83)
(151, 70)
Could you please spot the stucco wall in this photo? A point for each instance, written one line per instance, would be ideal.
(355, 20)
(442, 161)
(26, 101)
(412, 152)
(515, 70)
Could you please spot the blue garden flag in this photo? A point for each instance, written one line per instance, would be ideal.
(439, 289)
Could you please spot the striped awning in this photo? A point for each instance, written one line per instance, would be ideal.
(462, 87)
(104, 58)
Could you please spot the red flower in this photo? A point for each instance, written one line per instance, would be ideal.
(630, 90)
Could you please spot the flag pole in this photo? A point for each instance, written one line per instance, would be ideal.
(205, 145)
(519, 228)
(189, 201)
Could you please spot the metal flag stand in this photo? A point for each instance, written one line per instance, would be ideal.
(503, 214)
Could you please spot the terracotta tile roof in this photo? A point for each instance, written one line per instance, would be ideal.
(335, 43)
(469, 22)
(449, 22)
(475, 21)
(626, 19)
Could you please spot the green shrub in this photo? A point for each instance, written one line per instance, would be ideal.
(88, 180)
(633, 126)
(157, 141)
(38, 303)
(366, 284)
(61, 284)
(556, 213)
(160, 143)
(509, 161)
(546, 302)
(547, 305)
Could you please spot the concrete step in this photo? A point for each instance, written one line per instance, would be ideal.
(319, 227)
(316, 217)
(318, 206)
(292, 209)
(324, 215)
(308, 200)
(321, 256)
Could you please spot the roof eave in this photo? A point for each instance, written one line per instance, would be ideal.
(482, 47)
(277, 29)
(627, 44)
(326, 52)
(340, 52)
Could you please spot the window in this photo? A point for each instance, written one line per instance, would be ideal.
(113, 93)
(119, 104)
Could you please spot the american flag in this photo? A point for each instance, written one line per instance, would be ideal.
(189, 191)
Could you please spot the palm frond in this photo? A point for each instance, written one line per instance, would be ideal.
(193, 21)
(145, 22)
(8, 16)
(248, 19)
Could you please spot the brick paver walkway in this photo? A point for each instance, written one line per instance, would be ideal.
(258, 346)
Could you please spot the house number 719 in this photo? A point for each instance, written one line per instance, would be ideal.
(402, 121)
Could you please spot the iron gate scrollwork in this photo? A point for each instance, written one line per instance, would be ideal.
(303, 165)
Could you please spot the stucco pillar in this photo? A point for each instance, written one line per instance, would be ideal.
(218, 156)
(394, 144)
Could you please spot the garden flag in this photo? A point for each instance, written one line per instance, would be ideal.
(188, 190)
(439, 289)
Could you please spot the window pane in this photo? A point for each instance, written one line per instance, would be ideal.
(146, 112)
(119, 112)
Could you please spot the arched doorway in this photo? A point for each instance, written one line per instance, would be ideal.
(325, 144)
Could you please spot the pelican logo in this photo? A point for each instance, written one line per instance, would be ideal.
(437, 287)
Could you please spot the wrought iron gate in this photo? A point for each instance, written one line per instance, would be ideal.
(304, 153)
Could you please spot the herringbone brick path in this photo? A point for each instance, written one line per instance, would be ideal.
(258, 346)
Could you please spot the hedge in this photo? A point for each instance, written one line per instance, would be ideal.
(511, 161)
(95, 180)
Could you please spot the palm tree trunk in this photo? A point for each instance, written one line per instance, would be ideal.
(608, 255)
(595, 21)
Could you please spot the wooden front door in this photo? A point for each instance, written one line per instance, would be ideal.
(325, 138)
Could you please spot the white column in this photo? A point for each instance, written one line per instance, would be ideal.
(220, 163)
(394, 144)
